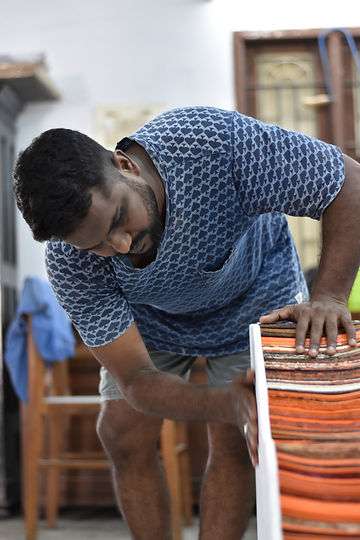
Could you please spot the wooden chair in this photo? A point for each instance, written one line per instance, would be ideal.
(50, 402)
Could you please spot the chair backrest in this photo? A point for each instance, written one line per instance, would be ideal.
(36, 372)
(44, 379)
(59, 379)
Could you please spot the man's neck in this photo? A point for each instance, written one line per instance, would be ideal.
(150, 174)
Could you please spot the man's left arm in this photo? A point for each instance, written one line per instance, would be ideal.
(339, 263)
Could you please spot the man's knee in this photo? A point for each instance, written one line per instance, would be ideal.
(125, 433)
(226, 442)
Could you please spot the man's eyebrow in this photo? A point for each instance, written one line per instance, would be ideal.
(113, 221)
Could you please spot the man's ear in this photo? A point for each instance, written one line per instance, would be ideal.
(125, 164)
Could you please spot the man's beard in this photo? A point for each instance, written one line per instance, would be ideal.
(155, 230)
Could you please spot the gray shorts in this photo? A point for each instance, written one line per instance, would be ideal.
(220, 370)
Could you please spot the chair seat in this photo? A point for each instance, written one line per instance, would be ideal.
(72, 400)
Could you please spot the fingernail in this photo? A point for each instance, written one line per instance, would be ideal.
(300, 348)
(331, 349)
(313, 352)
(352, 341)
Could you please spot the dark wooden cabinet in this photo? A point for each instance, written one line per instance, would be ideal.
(10, 106)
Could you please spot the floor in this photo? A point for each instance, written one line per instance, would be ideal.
(79, 527)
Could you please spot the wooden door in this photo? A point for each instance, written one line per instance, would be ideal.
(279, 78)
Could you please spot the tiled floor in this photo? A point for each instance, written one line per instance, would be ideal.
(96, 528)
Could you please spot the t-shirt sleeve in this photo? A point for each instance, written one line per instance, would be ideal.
(85, 286)
(276, 170)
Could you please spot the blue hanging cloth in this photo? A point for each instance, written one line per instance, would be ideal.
(51, 327)
(324, 55)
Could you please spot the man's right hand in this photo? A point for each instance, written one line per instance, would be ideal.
(244, 402)
(166, 395)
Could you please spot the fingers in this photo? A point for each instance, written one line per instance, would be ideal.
(250, 377)
(317, 327)
(250, 428)
(247, 379)
(301, 331)
(277, 315)
(331, 327)
(251, 438)
(317, 319)
(324, 323)
(349, 329)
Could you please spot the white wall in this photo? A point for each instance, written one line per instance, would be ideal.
(177, 52)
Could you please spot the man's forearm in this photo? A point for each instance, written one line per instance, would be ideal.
(166, 395)
(162, 394)
(340, 257)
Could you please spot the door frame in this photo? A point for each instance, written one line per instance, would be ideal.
(246, 43)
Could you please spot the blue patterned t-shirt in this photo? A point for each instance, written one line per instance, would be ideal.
(226, 255)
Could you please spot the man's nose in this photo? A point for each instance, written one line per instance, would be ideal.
(120, 241)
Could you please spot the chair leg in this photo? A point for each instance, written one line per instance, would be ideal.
(185, 473)
(31, 451)
(171, 465)
(53, 471)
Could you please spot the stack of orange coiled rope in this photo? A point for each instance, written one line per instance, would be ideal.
(315, 422)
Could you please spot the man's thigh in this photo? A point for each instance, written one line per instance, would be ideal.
(227, 439)
(164, 361)
(221, 370)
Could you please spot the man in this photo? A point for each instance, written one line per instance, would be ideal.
(167, 249)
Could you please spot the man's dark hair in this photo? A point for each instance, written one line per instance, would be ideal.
(52, 181)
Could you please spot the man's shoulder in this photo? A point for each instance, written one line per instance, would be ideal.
(58, 249)
(196, 111)
(182, 116)
(185, 131)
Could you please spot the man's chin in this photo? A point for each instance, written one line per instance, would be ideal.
(151, 252)
(147, 248)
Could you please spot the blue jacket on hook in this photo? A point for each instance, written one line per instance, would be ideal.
(51, 329)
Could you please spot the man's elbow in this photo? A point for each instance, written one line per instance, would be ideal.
(138, 388)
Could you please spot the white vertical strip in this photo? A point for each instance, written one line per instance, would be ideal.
(267, 481)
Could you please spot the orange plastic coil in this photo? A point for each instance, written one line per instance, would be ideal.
(344, 489)
(332, 512)
(278, 341)
(314, 396)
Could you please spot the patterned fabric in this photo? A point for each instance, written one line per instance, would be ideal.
(226, 255)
